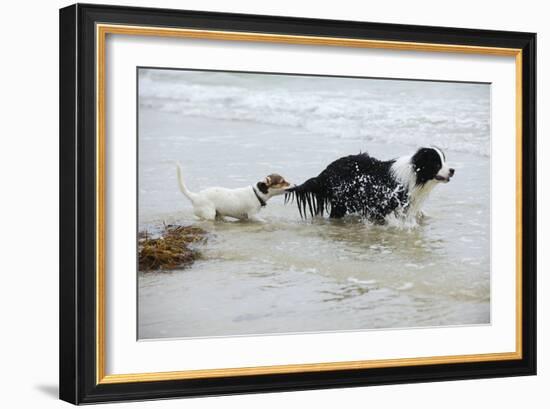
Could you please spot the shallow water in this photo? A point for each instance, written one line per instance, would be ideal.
(290, 275)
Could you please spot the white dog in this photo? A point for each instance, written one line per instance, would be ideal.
(241, 203)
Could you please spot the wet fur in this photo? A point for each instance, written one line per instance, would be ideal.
(361, 184)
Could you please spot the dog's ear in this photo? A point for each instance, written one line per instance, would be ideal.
(262, 187)
(268, 180)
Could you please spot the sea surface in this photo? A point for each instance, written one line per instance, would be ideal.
(288, 275)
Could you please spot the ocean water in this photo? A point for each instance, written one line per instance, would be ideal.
(288, 275)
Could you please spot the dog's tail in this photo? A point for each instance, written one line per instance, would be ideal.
(190, 195)
(310, 195)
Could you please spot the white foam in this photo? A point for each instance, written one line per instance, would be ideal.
(357, 281)
(448, 115)
(405, 286)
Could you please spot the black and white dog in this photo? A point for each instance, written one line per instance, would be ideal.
(374, 189)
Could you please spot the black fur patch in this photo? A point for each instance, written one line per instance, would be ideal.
(262, 187)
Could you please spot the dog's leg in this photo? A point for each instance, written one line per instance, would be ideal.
(206, 213)
(219, 217)
(255, 218)
(337, 210)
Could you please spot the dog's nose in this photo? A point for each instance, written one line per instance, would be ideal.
(451, 172)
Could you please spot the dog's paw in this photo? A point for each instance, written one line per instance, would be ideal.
(256, 219)
(421, 216)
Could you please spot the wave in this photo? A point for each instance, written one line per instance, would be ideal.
(453, 116)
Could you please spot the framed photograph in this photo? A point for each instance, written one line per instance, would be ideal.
(258, 203)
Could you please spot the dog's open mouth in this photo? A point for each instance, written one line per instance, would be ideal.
(442, 179)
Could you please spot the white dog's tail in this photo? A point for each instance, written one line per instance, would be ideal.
(190, 195)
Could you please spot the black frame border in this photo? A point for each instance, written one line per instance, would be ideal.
(77, 316)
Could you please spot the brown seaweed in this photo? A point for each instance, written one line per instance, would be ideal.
(173, 248)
